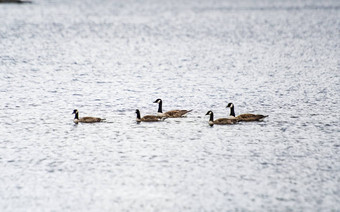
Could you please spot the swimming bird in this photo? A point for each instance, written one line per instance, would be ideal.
(220, 121)
(171, 113)
(85, 119)
(148, 118)
(245, 116)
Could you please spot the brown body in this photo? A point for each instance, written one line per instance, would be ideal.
(147, 118)
(250, 117)
(245, 116)
(175, 113)
(86, 119)
(171, 113)
(220, 121)
(224, 121)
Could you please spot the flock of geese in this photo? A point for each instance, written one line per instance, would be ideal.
(232, 119)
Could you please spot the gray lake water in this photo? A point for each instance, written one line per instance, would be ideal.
(107, 58)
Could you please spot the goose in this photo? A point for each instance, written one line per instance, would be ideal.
(148, 118)
(85, 119)
(220, 121)
(171, 113)
(245, 116)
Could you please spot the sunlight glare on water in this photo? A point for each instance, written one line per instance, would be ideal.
(109, 58)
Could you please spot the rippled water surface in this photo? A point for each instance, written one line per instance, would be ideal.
(108, 58)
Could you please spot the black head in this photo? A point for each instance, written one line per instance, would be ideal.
(75, 111)
(137, 111)
(209, 112)
(158, 101)
(230, 105)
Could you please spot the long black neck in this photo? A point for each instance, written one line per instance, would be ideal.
(138, 114)
(211, 117)
(76, 115)
(232, 112)
(160, 107)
